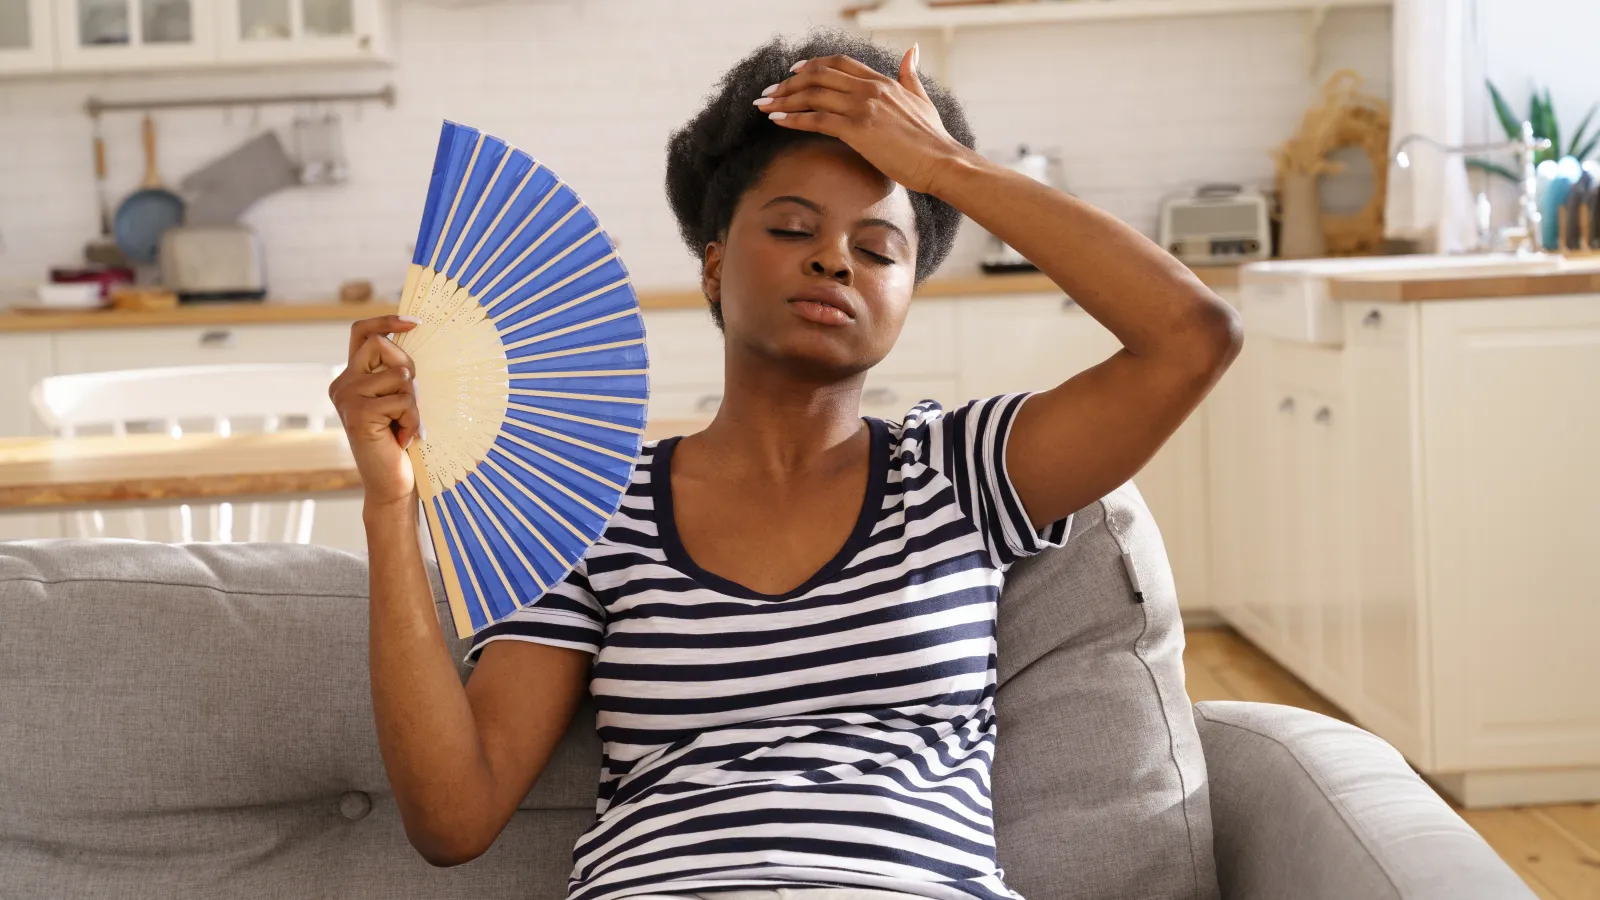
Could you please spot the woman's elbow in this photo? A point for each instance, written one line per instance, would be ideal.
(1218, 336)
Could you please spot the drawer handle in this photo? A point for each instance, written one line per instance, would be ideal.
(1286, 405)
(879, 395)
(708, 403)
(1068, 304)
(1372, 319)
(218, 338)
(1323, 416)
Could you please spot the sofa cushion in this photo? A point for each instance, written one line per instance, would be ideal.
(1099, 777)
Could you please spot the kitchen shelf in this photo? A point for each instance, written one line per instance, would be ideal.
(906, 15)
(914, 15)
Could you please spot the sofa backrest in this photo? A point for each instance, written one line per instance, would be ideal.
(195, 721)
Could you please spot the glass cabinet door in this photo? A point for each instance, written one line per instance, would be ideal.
(25, 42)
(300, 30)
(132, 34)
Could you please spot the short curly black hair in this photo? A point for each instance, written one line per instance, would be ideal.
(728, 144)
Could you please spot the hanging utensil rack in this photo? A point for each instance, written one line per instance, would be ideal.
(94, 106)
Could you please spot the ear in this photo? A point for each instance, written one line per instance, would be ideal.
(909, 78)
(711, 272)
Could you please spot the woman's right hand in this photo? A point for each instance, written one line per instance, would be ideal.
(377, 402)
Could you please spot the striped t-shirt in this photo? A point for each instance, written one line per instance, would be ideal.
(838, 734)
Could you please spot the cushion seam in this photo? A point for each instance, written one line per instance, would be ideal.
(183, 584)
(1346, 817)
(1172, 743)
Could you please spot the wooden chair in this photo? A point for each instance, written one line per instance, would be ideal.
(225, 399)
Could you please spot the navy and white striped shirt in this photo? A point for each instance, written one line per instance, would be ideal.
(838, 734)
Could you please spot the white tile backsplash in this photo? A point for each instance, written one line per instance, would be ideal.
(1137, 109)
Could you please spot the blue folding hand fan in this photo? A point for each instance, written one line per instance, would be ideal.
(530, 375)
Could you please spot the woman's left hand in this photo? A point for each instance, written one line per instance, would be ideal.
(891, 123)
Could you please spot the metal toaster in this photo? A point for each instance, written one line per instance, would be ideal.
(212, 262)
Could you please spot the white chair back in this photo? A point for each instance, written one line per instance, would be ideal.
(225, 399)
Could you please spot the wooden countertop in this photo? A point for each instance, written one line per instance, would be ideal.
(277, 312)
(40, 473)
(1420, 287)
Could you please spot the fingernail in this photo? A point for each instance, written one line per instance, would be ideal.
(412, 319)
(761, 101)
(409, 440)
(796, 66)
(916, 56)
(777, 115)
(422, 431)
(769, 89)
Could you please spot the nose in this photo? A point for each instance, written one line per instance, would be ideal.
(832, 259)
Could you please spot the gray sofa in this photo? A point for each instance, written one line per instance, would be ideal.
(195, 721)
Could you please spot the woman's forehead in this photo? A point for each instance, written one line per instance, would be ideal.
(835, 178)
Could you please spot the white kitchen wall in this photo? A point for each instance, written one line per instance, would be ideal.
(1137, 109)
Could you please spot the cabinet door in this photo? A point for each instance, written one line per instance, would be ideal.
(1238, 415)
(1383, 438)
(103, 350)
(26, 42)
(1511, 437)
(112, 35)
(24, 359)
(255, 31)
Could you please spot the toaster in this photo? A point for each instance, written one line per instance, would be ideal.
(212, 262)
(1217, 223)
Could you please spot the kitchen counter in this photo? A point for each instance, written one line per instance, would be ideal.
(273, 312)
(1576, 277)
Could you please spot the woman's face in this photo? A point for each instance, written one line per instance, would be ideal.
(818, 264)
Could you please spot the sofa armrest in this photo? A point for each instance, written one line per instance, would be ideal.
(1309, 807)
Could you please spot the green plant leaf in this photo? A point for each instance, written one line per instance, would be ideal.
(1492, 168)
(1587, 150)
(1508, 119)
(1550, 116)
(1577, 136)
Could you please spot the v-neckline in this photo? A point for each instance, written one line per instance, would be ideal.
(672, 545)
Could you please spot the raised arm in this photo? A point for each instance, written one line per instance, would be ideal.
(1075, 442)
(1072, 443)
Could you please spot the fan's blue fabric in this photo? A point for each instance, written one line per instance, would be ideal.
(555, 465)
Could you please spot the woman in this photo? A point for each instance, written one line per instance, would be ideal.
(789, 627)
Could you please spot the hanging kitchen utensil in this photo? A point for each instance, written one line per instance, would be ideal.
(149, 211)
(223, 189)
(103, 250)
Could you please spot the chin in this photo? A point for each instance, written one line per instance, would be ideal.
(823, 355)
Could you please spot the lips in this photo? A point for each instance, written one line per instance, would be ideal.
(833, 298)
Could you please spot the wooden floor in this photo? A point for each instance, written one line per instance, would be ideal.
(1556, 849)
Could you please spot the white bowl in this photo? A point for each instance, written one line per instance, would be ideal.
(77, 295)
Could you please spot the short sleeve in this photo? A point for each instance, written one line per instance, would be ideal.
(567, 615)
(968, 446)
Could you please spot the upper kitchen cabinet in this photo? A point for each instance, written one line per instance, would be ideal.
(25, 41)
(288, 30)
(112, 35)
(131, 35)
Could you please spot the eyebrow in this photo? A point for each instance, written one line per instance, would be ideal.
(817, 208)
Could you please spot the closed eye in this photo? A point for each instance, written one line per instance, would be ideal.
(791, 233)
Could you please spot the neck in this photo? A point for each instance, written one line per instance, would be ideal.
(775, 424)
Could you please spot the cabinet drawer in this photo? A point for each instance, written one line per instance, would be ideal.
(1367, 324)
(927, 342)
(139, 348)
(685, 348)
(889, 398)
(684, 402)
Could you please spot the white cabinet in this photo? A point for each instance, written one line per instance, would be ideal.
(24, 359)
(101, 350)
(135, 35)
(27, 41)
(287, 30)
(1406, 523)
